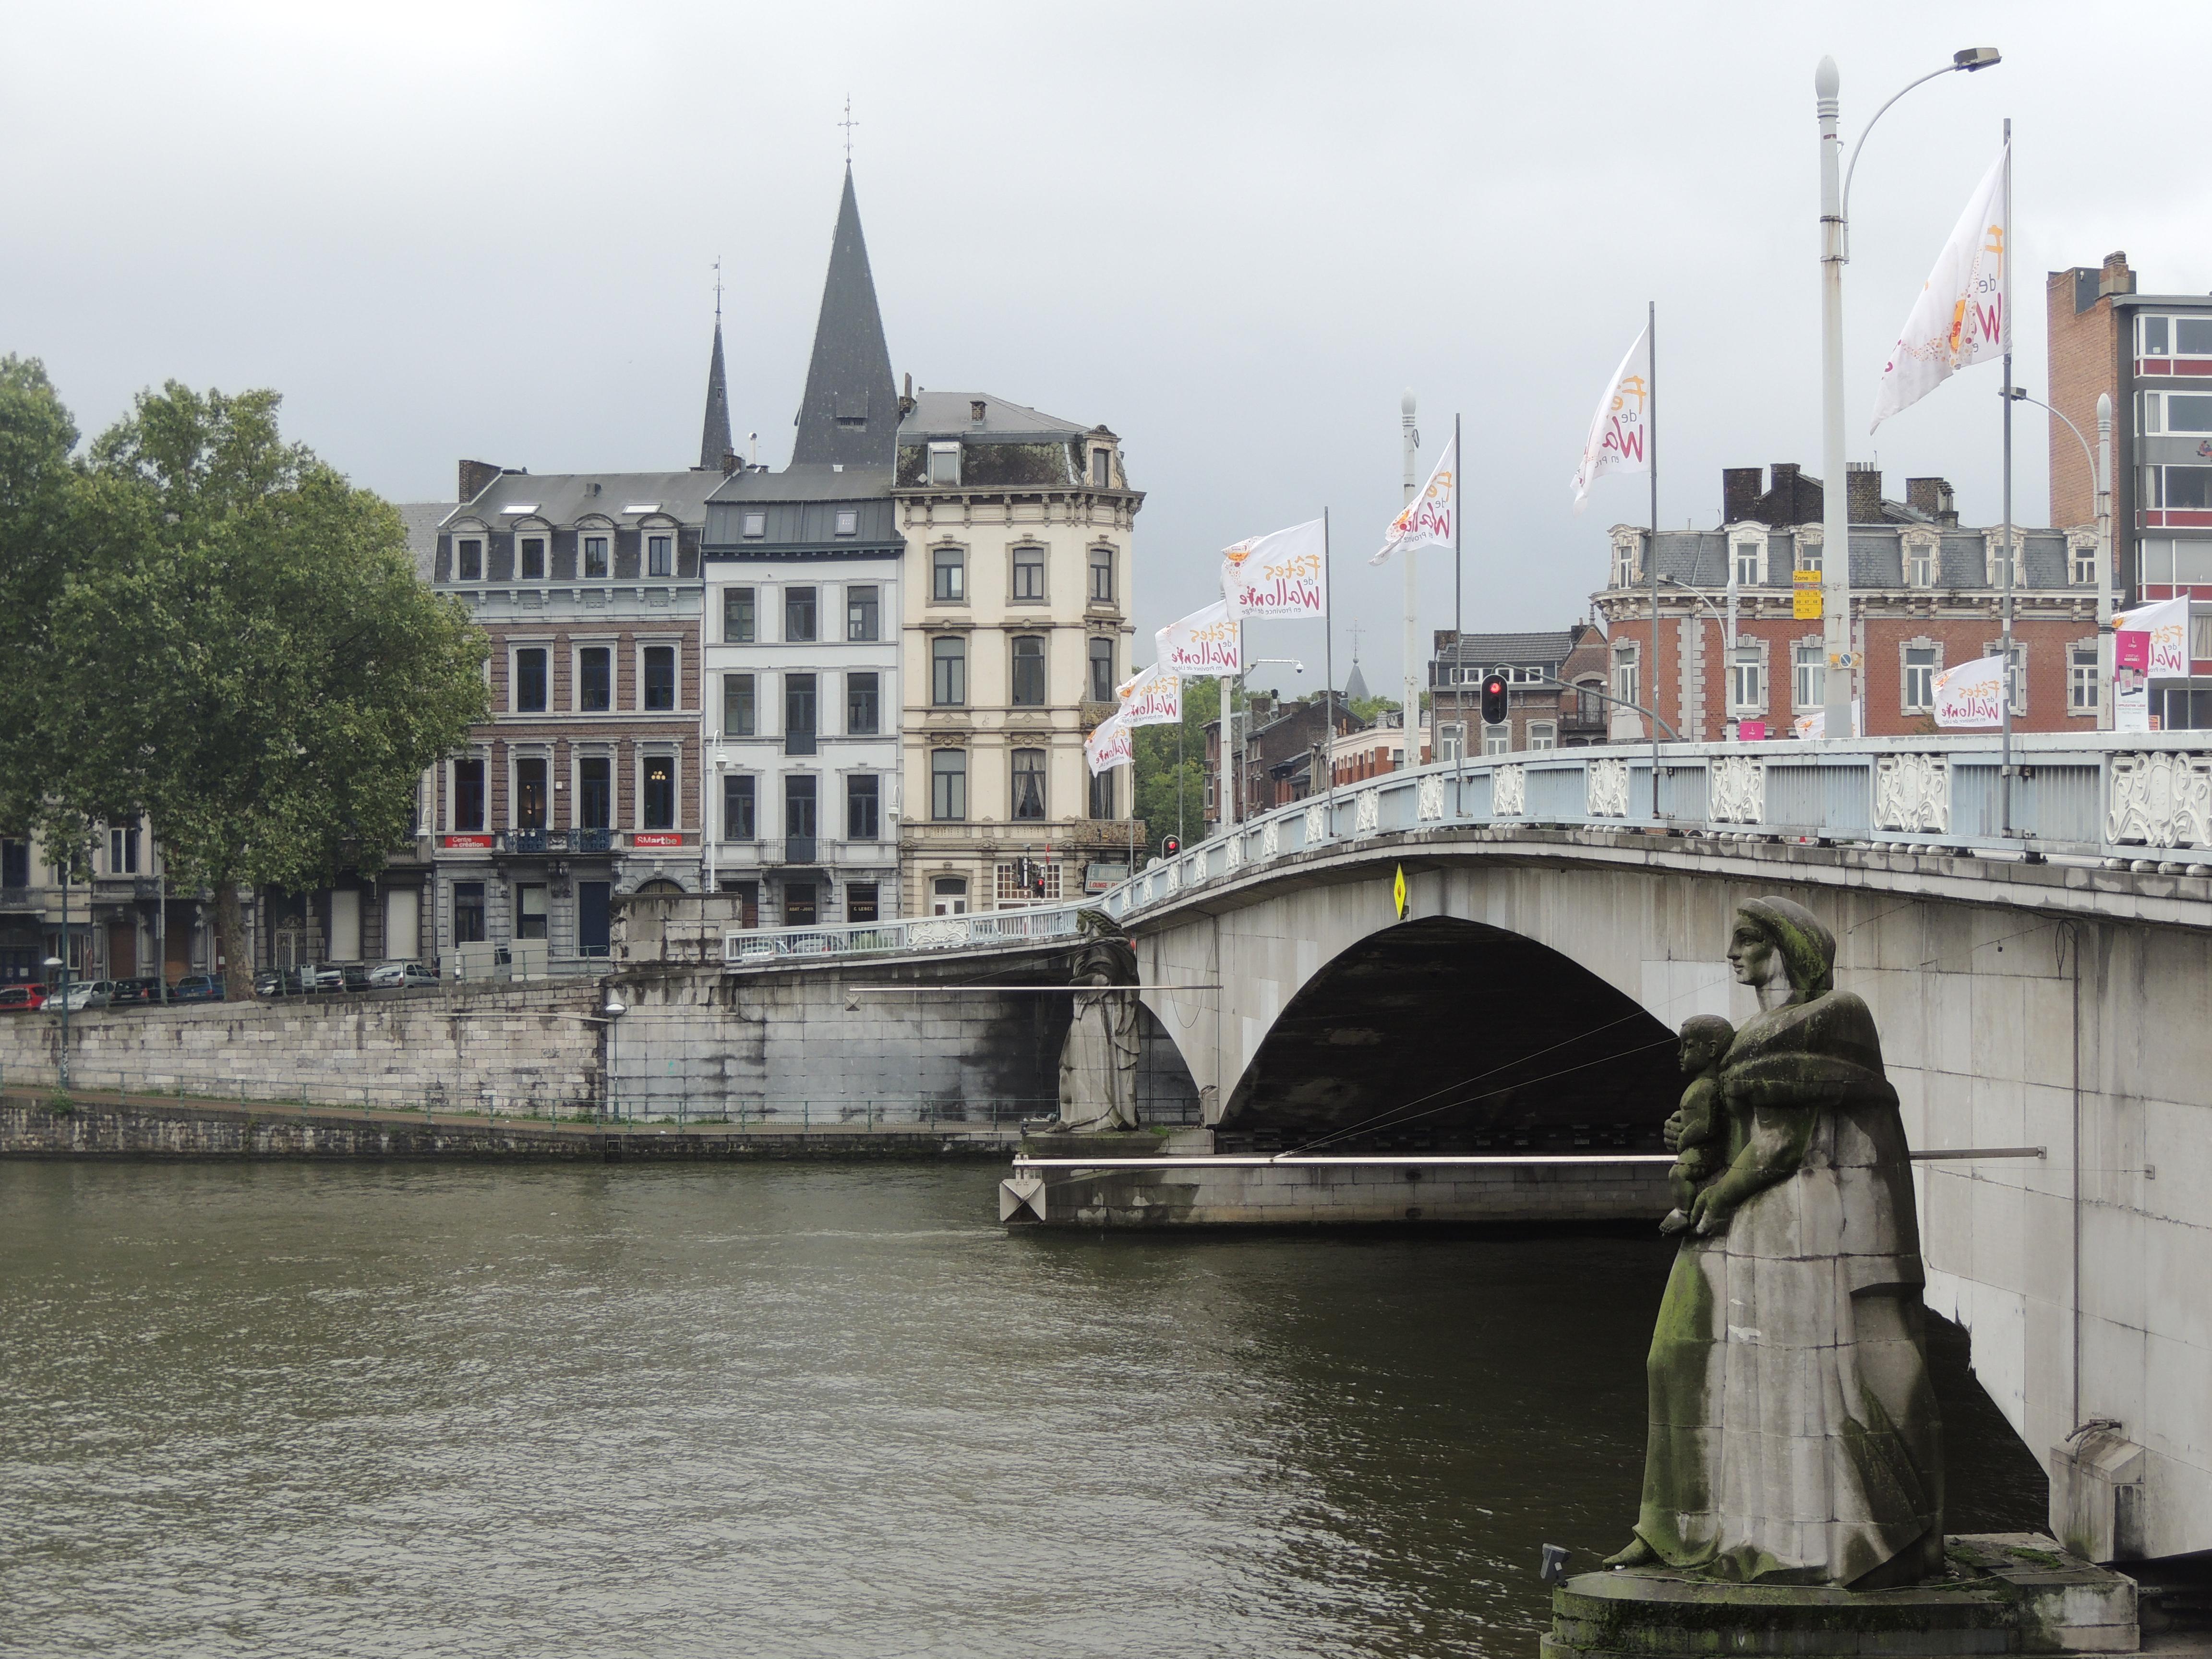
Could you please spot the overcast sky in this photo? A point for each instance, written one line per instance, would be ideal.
(1234, 235)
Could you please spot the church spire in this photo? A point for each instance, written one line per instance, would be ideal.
(714, 432)
(850, 414)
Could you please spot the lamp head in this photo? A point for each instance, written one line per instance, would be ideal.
(1970, 58)
(613, 1009)
(1825, 81)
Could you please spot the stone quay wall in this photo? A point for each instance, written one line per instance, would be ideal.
(534, 1050)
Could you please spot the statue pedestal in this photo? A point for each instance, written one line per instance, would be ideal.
(2004, 1593)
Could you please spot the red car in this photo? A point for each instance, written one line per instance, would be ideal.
(22, 999)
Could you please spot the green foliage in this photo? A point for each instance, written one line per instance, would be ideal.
(1367, 709)
(229, 637)
(1158, 767)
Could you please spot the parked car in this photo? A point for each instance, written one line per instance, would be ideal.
(129, 992)
(283, 982)
(323, 976)
(83, 995)
(197, 987)
(22, 998)
(354, 975)
(388, 975)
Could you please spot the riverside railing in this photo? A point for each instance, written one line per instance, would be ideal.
(2136, 800)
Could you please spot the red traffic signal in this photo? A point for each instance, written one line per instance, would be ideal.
(1495, 699)
(1170, 847)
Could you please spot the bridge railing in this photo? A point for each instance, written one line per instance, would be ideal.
(2136, 798)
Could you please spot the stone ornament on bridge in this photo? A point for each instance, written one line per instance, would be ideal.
(1316, 823)
(1508, 791)
(1367, 815)
(1794, 1438)
(1271, 839)
(1098, 1062)
(2161, 799)
(1606, 784)
(1432, 806)
(1739, 790)
(1912, 793)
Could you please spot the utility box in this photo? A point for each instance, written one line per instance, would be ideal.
(2097, 1495)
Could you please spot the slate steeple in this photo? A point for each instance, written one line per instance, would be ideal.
(850, 414)
(714, 434)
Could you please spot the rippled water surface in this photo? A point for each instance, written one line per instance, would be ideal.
(798, 1411)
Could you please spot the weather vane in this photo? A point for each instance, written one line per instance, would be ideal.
(849, 123)
(718, 287)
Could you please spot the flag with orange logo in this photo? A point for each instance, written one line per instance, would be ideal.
(1282, 574)
(1621, 432)
(1963, 316)
(1428, 518)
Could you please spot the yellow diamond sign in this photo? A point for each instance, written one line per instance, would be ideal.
(1398, 891)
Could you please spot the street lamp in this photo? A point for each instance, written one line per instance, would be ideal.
(1835, 502)
(51, 964)
(1728, 641)
(613, 1010)
(2101, 470)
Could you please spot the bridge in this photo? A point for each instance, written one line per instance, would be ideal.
(2048, 990)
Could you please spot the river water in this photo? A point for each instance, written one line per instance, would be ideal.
(798, 1411)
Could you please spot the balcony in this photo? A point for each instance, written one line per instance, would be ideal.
(21, 898)
(800, 849)
(799, 743)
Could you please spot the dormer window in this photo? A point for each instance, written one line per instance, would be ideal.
(1920, 565)
(944, 462)
(660, 556)
(468, 560)
(849, 521)
(595, 558)
(1747, 555)
(530, 559)
(1102, 469)
(756, 526)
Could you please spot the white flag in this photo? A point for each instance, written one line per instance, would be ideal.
(1282, 575)
(1971, 695)
(1620, 431)
(1429, 518)
(1209, 642)
(1153, 697)
(2166, 656)
(1963, 315)
(1111, 743)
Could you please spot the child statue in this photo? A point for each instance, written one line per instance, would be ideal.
(1700, 1126)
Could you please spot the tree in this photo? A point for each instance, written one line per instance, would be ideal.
(1158, 767)
(267, 679)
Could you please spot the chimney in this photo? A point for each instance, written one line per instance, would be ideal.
(1738, 494)
(730, 462)
(906, 397)
(975, 411)
(1947, 510)
(1926, 496)
(475, 474)
(1864, 501)
(2117, 277)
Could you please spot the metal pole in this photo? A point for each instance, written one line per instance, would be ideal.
(1728, 652)
(1328, 668)
(2011, 554)
(1651, 561)
(1459, 582)
(1226, 819)
(1409, 679)
(2105, 690)
(1181, 761)
(62, 1070)
(1835, 487)
(161, 921)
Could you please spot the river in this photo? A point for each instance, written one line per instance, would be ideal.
(798, 1411)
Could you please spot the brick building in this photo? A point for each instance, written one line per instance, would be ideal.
(1536, 665)
(1926, 596)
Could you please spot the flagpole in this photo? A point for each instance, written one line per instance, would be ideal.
(1652, 570)
(2012, 556)
(1225, 819)
(1328, 667)
(1459, 686)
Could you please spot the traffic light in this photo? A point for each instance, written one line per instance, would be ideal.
(1170, 847)
(1494, 699)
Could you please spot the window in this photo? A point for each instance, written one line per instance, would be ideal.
(1920, 565)
(945, 464)
(801, 907)
(1747, 681)
(468, 913)
(2186, 487)
(2192, 336)
(1028, 881)
(755, 526)
(595, 793)
(529, 774)
(862, 798)
(1102, 794)
(861, 704)
(529, 679)
(1028, 573)
(1919, 678)
(849, 521)
(948, 895)
(595, 679)
(1624, 673)
(739, 622)
(14, 864)
(2083, 568)
(660, 555)
(1453, 744)
(1102, 669)
(1543, 734)
(530, 567)
(2082, 679)
(1029, 670)
(863, 613)
(595, 558)
(798, 819)
(659, 677)
(1809, 554)
(740, 806)
(799, 713)
(1590, 700)
(948, 670)
(948, 575)
(861, 902)
(2178, 411)
(529, 910)
(1498, 739)
(1102, 575)
(1625, 561)
(1998, 562)
(948, 785)
(799, 615)
(122, 854)
(1808, 676)
(1747, 557)
(468, 560)
(740, 706)
(2019, 675)
(1102, 469)
(1029, 783)
(659, 791)
(469, 794)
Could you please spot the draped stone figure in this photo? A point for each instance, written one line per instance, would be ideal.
(1098, 1062)
(1794, 1435)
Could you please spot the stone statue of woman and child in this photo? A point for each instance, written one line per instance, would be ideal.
(1794, 1438)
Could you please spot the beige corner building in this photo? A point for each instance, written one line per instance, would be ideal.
(1017, 527)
